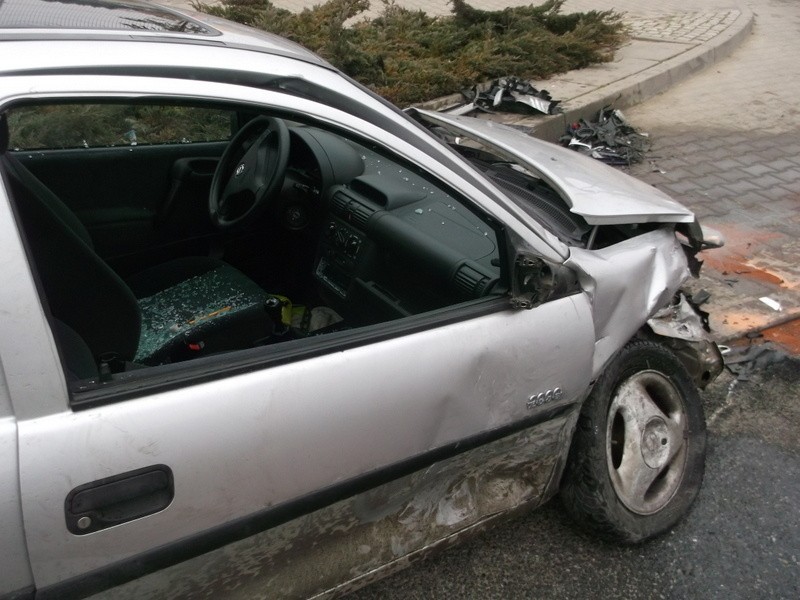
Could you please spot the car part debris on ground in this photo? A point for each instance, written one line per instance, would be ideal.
(509, 94)
(610, 138)
(743, 360)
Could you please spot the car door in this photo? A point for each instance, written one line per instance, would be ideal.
(120, 483)
(232, 450)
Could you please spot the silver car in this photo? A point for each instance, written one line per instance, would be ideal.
(265, 335)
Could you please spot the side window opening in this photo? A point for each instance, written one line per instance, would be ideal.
(349, 237)
(70, 125)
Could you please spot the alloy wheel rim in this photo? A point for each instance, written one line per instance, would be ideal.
(646, 441)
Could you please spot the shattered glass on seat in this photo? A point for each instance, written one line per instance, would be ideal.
(192, 305)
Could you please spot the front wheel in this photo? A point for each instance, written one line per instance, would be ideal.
(638, 454)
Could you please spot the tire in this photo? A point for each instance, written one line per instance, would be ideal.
(638, 453)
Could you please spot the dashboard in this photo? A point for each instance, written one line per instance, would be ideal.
(390, 243)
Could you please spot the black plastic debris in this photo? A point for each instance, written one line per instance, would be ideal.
(744, 360)
(610, 138)
(509, 94)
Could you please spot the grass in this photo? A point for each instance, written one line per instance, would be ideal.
(409, 57)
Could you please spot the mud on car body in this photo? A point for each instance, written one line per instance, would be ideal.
(263, 333)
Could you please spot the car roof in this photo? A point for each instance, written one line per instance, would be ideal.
(130, 20)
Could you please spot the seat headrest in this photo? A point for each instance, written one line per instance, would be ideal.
(3, 133)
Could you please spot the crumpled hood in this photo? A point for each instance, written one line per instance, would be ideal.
(600, 194)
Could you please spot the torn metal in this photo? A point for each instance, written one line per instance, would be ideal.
(610, 138)
(683, 326)
(509, 94)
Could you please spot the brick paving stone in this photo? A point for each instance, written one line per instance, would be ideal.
(762, 143)
(686, 26)
(786, 205)
(757, 170)
(710, 182)
(788, 175)
(737, 138)
(790, 151)
(739, 215)
(678, 174)
(756, 211)
(750, 199)
(726, 164)
(734, 175)
(751, 159)
(772, 153)
(717, 193)
(702, 212)
(716, 210)
(767, 181)
(740, 187)
(655, 179)
(700, 169)
(781, 164)
(680, 140)
(681, 187)
(709, 144)
(671, 163)
(718, 152)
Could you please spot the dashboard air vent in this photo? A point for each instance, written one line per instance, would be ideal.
(469, 281)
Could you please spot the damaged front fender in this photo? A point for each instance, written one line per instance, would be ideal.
(635, 290)
(628, 283)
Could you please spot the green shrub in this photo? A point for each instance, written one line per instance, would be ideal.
(408, 56)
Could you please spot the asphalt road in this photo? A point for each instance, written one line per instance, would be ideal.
(741, 540)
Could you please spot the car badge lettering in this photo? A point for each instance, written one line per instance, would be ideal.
(544, 397)
(239, 170)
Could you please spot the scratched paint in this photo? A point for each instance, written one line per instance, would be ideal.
(349, 544)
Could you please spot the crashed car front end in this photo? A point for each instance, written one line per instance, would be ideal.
(627, 244)
(637, 454)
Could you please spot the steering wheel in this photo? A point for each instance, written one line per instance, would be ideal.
(250, 172)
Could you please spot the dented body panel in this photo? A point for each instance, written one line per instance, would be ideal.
(627, 283)
(380, 531)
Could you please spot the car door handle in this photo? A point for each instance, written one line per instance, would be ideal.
(114, 500)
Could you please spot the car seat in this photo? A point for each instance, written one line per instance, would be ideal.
(185, 307)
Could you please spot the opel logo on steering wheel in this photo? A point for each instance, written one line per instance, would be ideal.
(239, 170)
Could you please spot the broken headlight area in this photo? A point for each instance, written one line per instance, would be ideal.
(695, 238)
